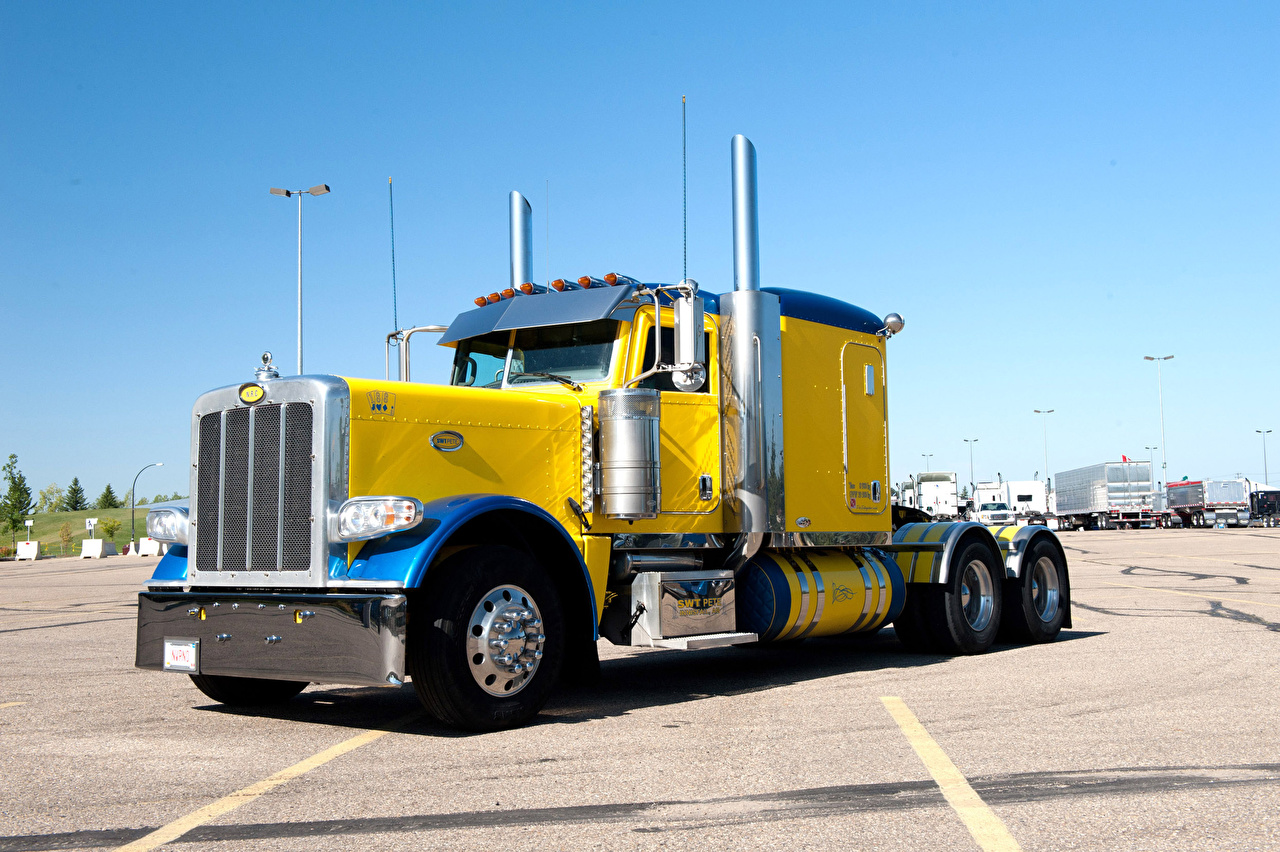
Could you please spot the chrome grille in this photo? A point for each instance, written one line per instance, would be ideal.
(254, 489)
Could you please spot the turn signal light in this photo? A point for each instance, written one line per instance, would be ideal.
(563, 284)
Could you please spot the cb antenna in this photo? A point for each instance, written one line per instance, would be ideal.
(684, 176)
(395, 315)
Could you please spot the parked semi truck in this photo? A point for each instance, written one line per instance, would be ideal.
(721, 481)
(1111, 495)
(1208, 502)
(936, 494)
(1264, 507)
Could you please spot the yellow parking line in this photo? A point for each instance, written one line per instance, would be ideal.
(9, 704)
(244, 796)
(1193, 595)
(987, 829)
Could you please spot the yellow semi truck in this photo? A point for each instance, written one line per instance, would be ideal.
(642, 462)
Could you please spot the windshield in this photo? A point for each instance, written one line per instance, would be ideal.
(994, 507)
(579, 352)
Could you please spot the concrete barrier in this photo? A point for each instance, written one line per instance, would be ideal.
(147, 547)
(96, 548)
(29, 550)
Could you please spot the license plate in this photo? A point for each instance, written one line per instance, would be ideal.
(182, 655)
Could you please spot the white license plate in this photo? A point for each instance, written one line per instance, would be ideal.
(182, 655)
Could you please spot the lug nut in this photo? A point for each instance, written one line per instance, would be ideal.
(503, 626)
(532, 653)
(504, 659)
(532, 623)
(516, 669)
(536, 637)
(500, 644)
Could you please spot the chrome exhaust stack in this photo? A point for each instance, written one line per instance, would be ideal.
(751, 376)
(521, 241)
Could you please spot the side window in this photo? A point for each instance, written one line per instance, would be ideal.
(662, 381)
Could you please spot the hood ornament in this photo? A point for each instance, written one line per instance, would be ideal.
(266, 372)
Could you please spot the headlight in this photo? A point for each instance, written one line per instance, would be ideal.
(369, 517)
(168, 524)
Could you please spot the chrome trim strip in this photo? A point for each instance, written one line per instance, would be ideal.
(222, 482)
(248, 491)
(820, 593)
(804, 598)
(882, 599)
(864, 618)
(779, 540)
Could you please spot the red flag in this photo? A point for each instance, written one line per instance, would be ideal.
(1124, 458)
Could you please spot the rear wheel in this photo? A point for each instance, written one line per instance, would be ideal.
(912, 624)
(1035, 605)
(487, 642)
(964, 613)
(247, 691)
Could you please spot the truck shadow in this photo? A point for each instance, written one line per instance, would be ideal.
(632, 682)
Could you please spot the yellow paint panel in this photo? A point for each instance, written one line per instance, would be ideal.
(814, 389)
(595, 552)
(513, 443)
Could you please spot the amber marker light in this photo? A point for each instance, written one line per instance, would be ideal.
(202, 614)
(611, 279)
(481, 301)
(526, 288)
(494, 298)
(508, 293)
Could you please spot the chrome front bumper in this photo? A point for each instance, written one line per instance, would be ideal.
(319, 638)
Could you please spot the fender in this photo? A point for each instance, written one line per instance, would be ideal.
(1017, 542)
(404, 558)
(924, 551)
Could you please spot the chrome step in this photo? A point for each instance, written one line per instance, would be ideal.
(709, 640)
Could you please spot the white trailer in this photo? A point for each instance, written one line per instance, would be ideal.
(1107, 496)
(936, 494)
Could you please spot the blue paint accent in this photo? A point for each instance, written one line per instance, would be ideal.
(764, 598)
(173, 565)
(826, 310)
(897, 583)
(405, 557)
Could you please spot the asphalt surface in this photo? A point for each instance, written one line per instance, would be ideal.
(1151, 724)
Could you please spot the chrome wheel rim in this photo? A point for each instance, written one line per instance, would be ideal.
(1044, 589)
(977, 595)
(505, 641)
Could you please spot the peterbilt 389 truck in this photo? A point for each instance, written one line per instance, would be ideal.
(721, 481)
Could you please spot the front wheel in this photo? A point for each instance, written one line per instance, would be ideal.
(247, 691)
(486, 643)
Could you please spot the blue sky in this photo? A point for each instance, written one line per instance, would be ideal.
(1047, 192)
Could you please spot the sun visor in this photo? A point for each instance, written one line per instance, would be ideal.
(537, 310)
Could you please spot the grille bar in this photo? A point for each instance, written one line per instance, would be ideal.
(254, 489)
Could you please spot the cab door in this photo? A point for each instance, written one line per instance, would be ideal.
(866, 436)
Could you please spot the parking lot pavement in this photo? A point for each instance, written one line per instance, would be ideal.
(1149, 725)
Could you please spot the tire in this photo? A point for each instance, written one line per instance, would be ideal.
(461, 676)
(1035, 605)
(247, 691)
(963, 614)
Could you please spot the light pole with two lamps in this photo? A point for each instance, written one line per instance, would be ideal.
(1164, 452)
(318, 189)
(133, 513)
(927, 456)
(972, 486)
(1266, 474)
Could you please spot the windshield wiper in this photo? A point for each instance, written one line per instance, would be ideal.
(564, 380)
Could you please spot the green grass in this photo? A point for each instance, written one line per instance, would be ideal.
(48, 524)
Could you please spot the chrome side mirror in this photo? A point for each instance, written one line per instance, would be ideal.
(690, 372)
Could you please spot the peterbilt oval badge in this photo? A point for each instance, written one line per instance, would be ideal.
(251, 393)
(446, 442)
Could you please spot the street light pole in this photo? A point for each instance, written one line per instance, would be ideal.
(971, 442)
(133, 503)
(1045, 421)
(927, 456)
(1266, 474)
(1164, 443)
(318, 189)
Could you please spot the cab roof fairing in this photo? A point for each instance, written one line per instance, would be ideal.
(598, 303)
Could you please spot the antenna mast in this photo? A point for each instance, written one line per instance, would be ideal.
(395, 315)
(684, 175)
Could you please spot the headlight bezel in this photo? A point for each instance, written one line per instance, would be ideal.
(169, 524)
(370, 517)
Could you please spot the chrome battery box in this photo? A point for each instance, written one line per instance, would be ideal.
(682, 603)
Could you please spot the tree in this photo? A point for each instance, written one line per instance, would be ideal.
(110, 527)
(64, 533)
(17, 503)
(107, 499)
(50, 499)
(127, 498)
(142, 501)
(964, 493)
(73, 500)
